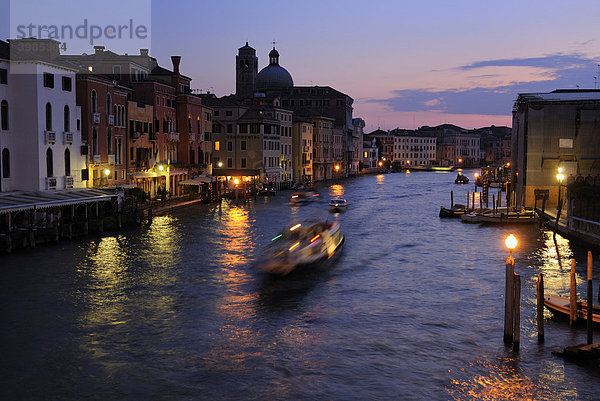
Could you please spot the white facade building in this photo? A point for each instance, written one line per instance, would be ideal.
(47, 134)
(414, 150)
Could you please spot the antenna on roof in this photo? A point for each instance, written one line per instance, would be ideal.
(274, 43)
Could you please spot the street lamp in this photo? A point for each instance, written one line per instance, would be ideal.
(559, 177)
(220, 164)
(511, 243)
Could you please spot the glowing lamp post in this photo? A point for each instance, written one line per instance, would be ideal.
(559, 177)
(511, 243)
(220, 164)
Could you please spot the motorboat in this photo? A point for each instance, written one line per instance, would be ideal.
(561, 306)
(302, 246)
(338, 205)
(500, 216)
(304, 197)
(461, 179)
(455, 211)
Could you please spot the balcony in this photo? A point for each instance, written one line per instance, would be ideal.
(67, 138)
(49, 137)
(174, 136)
(68, 181)
(50, 183)
(111, 159)
(111, 119)
(96, 159)
(192, 136)
(96, 118)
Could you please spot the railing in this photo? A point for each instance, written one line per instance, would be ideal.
(111, 159)
(50, 183)
(589, 227)
(174, 136)
(68, 181)
(67, 138)
(96, 159)
(49, 137)
(96, 118)
(111, 119)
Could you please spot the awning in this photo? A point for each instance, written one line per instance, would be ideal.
(21, 200)
(195, 181)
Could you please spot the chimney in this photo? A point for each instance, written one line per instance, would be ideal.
(176, 60)
(143, 52)
(98, 49)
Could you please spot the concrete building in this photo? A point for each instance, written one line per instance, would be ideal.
(413, 150)
(357, 145)
(323, 165)
(302, 148)
(455, 145)
(554, 130)
(46, 138)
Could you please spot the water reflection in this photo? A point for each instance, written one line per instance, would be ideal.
(336, 191)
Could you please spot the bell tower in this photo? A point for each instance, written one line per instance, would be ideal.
(246, 68)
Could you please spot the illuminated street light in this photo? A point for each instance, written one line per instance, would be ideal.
(337, 167)
(380, 163)
(460, 160)
(220, 164)
(236, 181)
(161, 167)
(559, 177)
(107, 172)
(511, 243)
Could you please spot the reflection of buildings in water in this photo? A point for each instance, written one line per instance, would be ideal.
(554, 258)
(162, 247)
(380, 179)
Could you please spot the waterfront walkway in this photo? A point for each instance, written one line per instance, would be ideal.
(564, 228)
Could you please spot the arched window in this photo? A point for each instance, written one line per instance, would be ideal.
(67, 162)
(108, 103)
(4, 114)
(67, 119)
(95, 142)
(49, 163)
(48, 117)
(94, 102)
(116, 114)
(109, 141)
(5, 163)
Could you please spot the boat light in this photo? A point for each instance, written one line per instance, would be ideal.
(296, 245)
(476, 175)
(295, 227)
(279, 236)
(316, 195)
(294, 196)
(316, 237)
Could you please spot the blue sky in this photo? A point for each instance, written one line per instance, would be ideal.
(406, 64)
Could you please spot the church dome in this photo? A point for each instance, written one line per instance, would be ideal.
(273, 76)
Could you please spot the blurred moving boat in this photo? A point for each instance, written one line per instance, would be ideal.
(304, 197)
(301, 246)
(461, 179)
(338, 205)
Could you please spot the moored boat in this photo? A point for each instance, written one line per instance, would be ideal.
(301, 246)
(500, 216)
(561, 306)
(455, 211)
(338, 205)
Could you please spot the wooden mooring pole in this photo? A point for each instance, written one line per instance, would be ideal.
(517, 312)
(590, 296)
(468, 196)
(451, 199)
(573, 296)
(508, 300)
(540, 307)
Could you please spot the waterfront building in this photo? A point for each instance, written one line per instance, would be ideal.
(103, 105)
(6, 117)
(142, 149)
(456, 146)
(551, 131)
(302, 149)
(370, 155)
(495, 144)
(385, 143)
(46, 139)
(410, 149)
(339, 152)
(358, 127)
(323, 165)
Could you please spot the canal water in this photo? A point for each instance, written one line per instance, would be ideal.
(413, 309)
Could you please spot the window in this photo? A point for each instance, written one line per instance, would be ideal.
(3, 76)
(243, 145)
(217, 145)
(67, 162)
(67, 84)
(94, 102)
(5, 163)
(216, 113)
(229, 128)
(49, 163)
(109, 142)
(48, 80)
(229, 162)
(67, 120)
(229, 146)
(118, 146)
(78, 125)
(108, 103)
(95, 142)
(243, 162)
(117, 71)
(4, 115)
(48, 117)
(228, 113)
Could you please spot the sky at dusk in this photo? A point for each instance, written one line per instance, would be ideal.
(405, 64)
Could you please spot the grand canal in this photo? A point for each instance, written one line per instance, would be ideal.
(413, 309)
